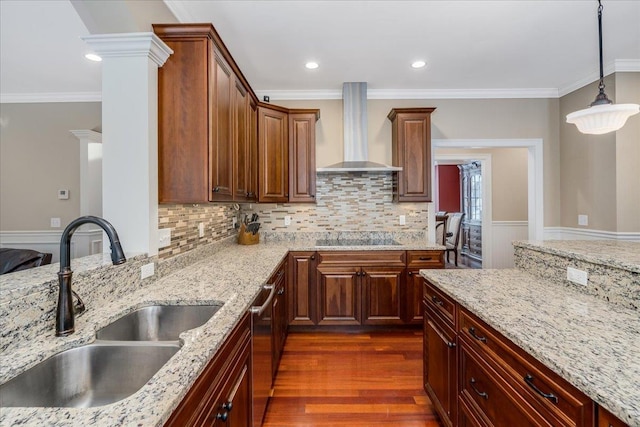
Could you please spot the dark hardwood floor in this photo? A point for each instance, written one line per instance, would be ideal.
(351, 379)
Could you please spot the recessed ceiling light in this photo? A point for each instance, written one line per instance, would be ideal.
(418, 64)
(311, 65)
(93, 57)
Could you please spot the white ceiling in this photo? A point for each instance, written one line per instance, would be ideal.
(472, 48)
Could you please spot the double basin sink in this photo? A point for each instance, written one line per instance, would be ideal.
(124, 357)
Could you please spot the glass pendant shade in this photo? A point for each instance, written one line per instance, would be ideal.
(601, 119)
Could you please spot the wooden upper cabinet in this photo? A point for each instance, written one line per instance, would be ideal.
(183, 116)
(273, 154)
(411, 149)
(207, 137)
(302, 155)
(222, 129)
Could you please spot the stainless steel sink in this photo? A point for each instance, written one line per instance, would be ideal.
(157, 323)
(92, 375)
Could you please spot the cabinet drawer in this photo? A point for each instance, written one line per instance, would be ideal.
(439, 302)
(483, 391)
(425, 259)
(547, 392)
(362, 258)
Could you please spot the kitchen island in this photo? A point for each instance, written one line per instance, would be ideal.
(227, 274)
(589, 337)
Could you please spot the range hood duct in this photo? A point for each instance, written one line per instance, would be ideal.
(356, 157)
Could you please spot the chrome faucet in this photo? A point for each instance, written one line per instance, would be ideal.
(65, 313)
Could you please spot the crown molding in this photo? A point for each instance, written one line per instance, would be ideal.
(617, 66)
(45, 97)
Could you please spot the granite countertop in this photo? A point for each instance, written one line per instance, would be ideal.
(233, 276)
(612, 253)
(592, 343)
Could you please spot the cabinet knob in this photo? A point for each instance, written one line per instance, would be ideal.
(411, 273)
(286, 195)
(313, 196)
(224, 416)
(227, 406)
(281, 291)
(216, 189)
(313, 257)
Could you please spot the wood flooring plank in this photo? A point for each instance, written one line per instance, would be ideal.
(351, 379)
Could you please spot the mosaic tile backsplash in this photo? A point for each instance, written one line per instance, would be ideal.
(348, 201)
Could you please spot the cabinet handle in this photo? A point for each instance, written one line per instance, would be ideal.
(451, 344)
(281, 291)
(424, 258)
(216, 189)
(482, 394)
(529, 380)
(227, 406)
(224, 416)
(436, 300)
(472, 331)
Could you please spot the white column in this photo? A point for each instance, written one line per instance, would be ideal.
(130, 135)
(90, 171)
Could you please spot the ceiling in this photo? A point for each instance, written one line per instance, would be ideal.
(472, 48)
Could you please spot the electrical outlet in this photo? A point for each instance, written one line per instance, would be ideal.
(577, 276)
(201, 229)
(403, 220)
(164, 237)
(583, 219)
(55, 222)
(147, 270)
(287, 220)
(234, 222)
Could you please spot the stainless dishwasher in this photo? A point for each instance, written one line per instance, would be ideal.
(261, 351)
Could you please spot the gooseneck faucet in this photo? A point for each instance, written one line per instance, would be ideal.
(65, 315)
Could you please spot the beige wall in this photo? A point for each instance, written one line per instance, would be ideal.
(599, 173)
(628, 156)
(508, 181)
(454, 119)
(39, 156)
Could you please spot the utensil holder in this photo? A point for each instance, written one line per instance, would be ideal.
(247, 238)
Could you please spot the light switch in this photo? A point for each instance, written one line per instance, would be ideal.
(164, 237)
(55, 222)
(583, 219)
(403, 220)
(287, 220)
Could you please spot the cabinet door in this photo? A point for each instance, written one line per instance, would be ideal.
(273, 156)
(302, 157)
(233, 406)
(221, 150)
(241, 153)
(440, 366)
(183, 139)
(415, 309)
(279, 324)
(339, 295)
(252, 122)
(383, 295)
(301, 295)
(411, 149)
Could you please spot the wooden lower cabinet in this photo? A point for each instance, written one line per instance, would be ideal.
(301, 289)
(496, 383)
(416, 261)
(607, 419)
(339, 295)
(222, 393)
(383, 295)
(279, 315)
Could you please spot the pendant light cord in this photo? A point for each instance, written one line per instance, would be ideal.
(601, 98)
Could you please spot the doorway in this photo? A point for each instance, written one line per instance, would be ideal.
(496, 253)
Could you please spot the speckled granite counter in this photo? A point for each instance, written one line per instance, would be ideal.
(592, 343)
(230, 274)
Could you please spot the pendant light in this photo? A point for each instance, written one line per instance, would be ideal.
(602, 116)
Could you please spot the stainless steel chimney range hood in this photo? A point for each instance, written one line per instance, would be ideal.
(354, 101)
